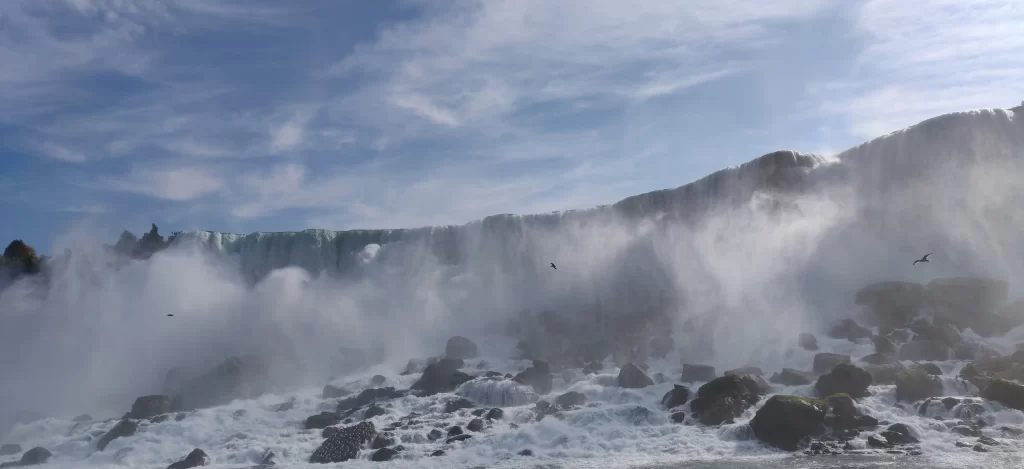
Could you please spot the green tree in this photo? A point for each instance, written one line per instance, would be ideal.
(127, 243)
(151, 242)
(22, 255)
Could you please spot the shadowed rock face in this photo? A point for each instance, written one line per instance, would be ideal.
(344, 444)
(784, 420)
(123, 428)
(892, 304)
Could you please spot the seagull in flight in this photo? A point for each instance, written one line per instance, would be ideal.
(923, 259)
(169, 315)
(553, 266)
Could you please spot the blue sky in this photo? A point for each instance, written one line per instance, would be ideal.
(252, 115)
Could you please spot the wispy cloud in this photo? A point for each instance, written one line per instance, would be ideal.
(58, 152)
(180, 184)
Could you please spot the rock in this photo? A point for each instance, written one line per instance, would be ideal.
(844, 379)
(880, 359)
(694, 373)
(478, 412)
(374, 411)
(495, 414)
(457, 405)
(632, 377)
(334, 392)
(924, 350)
(32, 457)
(499, 392)
(284, 406)
(979, 448)
(1006, 393)
(950, 335)
(458, 438)
(966, 430)
(377, 380)
(723, 399)
(475, 425)
(790, 377)
(150, 406)
(950, 402)
(526, 452)
(916, 384)
(537, 376)
(328, 431)
(382, 440)
(9, 449)
(570, 399)
(437, 453)
(747, 370)
(414, 366)
(461, 348)
(784, 420)
(124, 428)
(322, 420)
(956, 299)
(344, 444)
(661, 346)
(929, 368)
(899, 434)
(849, 329)
(196, 458)
(884, 374)
(807, 341)
(235, 378)
(443, 376)
(367, 397)
(455, 430)
(435, 435)
(988, 441)
(384, 454)
(824, 362)
(884, 345)
(677, 397)
(892, 304)
(82, 418)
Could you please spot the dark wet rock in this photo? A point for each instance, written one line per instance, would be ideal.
(791, 377)
(124, 428)
(377, 380)
(537, 376)
(150, 406)
(374, 411)
(988, 441)
(1006, 393)
(235, 378)
(9, 449)
(880, 359)
(478, 412)
(443, 376)
(807, 341)
(916, 384)
(344, 444)
(678, 396)
(384, 454)
(966, 430)
(328, 431)
(929, 368)
(367, 397)
(455, 430)
(849, 329)
(844, 412)
(495, 414)
(785, 420)
(884, 345)
(632, 377)
(723, 399)
(697, 373)
(892, 304)
(322, 420)
(884, 374)
(383, 440)
(457, 405)
(414, 366)
(461, 348)
(437, 453)
(570, 399)
(196, 458)
(457, 438)
(825, 362)
(334, 392)
(844, 379)
(957, 299)
(899, 434)
(526, 452)
(475, 425)
(924, 350)
(285, 406)
(747, 370)
(32, 457)
(979, 448)
(435, 435)
(82, 418)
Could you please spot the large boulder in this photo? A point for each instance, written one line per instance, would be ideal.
(344, 444)
(443, 376)
(880, 359)
(124, 428)
(723, 399)
(954, 298)
(570, 399)
(844, 379)
(849, 329)
(924, 350)
(807, 341)
(785, 420)
(694, 373)
(537, 376)
(32, 457)
(825, 362)
(235, 378)
(884, 344)
(460, 348)
(1007, 393)
(892, 304)
(631, 376)
(322, 420)
(677, 397)
(916, 384)
(150, 406)
(9, 449)
(196, 458)
(884, 374)
(368, 397)
(791, 377)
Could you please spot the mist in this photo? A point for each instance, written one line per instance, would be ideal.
(737, 280)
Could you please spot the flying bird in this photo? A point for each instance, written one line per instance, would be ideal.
(923, 259)
(169, 315)
(553, 266)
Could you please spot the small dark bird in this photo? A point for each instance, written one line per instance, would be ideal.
(169, 315)
(553, 266)
(923, 259)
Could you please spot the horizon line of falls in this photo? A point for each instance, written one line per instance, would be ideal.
(727, 271)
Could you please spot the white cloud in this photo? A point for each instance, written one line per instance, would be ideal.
(62, 153)
(175, 184)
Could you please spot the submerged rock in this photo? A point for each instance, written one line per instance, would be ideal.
(344, 444)
(570, 399)
(825, 362)
(384, 454)
(694, 373)
(196, 458)
(844, 379)
(678, 396)
(32, 457)
(631, 376)
(124, 428)
(785, 420)
(461, 348)
(457, 405)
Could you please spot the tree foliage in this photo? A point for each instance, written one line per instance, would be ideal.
(23, 256)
